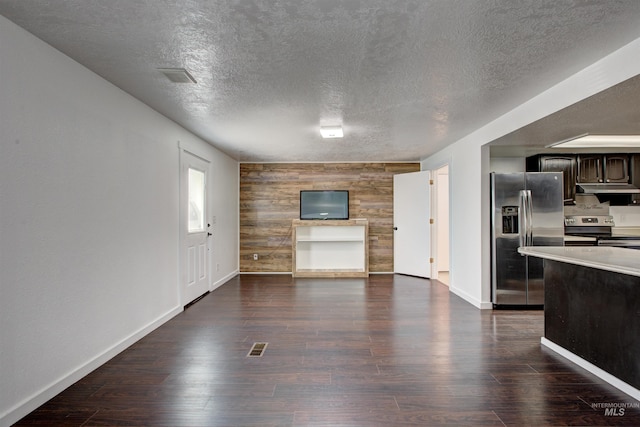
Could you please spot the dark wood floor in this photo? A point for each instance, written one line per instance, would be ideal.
(384, 351)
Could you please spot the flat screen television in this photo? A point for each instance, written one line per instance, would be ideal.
(324, 204)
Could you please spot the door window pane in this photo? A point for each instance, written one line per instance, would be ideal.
(196, 200)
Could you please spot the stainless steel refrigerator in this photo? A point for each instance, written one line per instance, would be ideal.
(526, 210)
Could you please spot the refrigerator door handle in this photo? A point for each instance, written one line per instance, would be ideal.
(523, 228)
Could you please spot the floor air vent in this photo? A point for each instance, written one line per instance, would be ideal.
(257, 350)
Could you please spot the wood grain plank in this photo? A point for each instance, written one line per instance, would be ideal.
(387, 350)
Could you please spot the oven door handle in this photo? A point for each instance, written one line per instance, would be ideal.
(620, 243)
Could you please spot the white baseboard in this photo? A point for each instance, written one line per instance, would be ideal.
(265, 272)
(215, 285)
(603, 375)
(486, 306)
(471, 300)
(32, 403)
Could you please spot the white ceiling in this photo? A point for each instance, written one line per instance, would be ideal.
(403, 77)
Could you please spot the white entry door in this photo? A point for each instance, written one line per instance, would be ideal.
(194, 227)
(411, 220)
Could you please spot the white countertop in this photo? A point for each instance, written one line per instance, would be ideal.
(619, 260)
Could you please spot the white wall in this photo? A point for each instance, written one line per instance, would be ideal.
(88, 220)
(469, 168)
(507, 164)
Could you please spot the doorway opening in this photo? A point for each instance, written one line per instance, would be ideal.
(441, 233)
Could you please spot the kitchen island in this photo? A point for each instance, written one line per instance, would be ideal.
(592, 309)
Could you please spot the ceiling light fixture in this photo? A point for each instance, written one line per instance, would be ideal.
(598, 141)
(177, 75)
(331, 131)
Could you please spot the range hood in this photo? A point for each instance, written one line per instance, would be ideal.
(607, 189)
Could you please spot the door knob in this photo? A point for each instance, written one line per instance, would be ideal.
(395, 228)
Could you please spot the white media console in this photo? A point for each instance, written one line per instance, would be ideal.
(330, 248)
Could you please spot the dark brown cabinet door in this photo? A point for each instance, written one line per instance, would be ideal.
(635, 169)
(590, 169)
(634, 172)
(566, 165)
(616, 168)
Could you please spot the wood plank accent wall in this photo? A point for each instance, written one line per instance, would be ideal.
(270, 200)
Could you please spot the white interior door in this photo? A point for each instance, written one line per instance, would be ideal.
(411, 219)
(194, 227)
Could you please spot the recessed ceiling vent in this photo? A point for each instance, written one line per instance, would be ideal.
(177, 75)
(331, 131)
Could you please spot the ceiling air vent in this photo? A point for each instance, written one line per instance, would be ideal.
(177, 75)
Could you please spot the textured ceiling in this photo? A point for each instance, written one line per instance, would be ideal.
(613, 111)
(403, 77)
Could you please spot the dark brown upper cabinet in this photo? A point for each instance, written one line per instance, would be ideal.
(634, 172)
(590, 168)
(566, 164)
(603, 168)
(616, 168)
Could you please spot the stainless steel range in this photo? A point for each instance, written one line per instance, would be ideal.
(599, 229)
(588, 225)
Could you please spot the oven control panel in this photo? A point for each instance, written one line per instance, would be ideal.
(584, 220)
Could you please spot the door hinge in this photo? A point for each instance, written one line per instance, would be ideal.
(431, 261)
(432, 221)
(430, 182)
